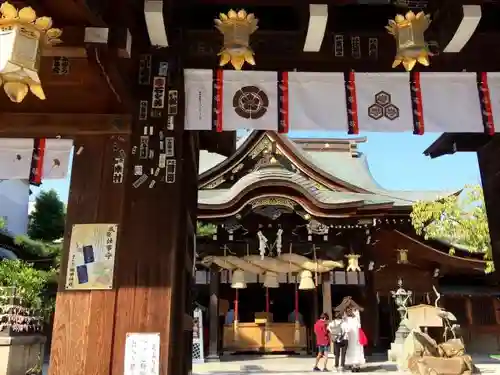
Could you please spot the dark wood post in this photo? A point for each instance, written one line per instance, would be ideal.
(213, 316)
(489, 165)
(155, 210)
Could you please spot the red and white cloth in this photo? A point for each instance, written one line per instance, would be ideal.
(36, 159)
(50, 159)
(355, 102)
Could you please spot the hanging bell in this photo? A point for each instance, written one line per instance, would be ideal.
(306, 281)
(271, 280)
(238, 279)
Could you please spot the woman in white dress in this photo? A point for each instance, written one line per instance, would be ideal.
(355, 355)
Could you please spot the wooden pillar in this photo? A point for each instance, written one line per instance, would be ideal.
(82, 336)
(213, 316)
(489, 165)
(154, 255)
(327, 294)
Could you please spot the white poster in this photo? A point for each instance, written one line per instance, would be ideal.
(142, 354)
(91, 257)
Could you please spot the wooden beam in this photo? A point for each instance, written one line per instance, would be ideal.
(283, 50)
(62, 124)
(318, 18)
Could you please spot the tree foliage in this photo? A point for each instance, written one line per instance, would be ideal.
(458, 219)
(29, 282)
(48, 219)
(205, 230)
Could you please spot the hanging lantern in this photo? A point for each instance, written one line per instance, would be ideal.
(306, 281)
(271, 280)
(22, 35)
(236, 28)
(408, 30)
(353, 263)
(402, 256)
(238, 279)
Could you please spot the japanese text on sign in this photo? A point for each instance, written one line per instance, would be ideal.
(142, 354)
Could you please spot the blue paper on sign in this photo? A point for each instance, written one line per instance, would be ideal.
(82, 274)
(88, 254)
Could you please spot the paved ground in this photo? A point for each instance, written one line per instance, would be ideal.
(284, 365)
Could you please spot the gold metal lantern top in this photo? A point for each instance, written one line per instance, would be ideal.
(236, 28)
(22, 35)
(408, 30)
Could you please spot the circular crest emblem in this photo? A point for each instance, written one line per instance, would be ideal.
(250, 102)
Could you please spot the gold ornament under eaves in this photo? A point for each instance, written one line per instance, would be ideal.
(22, 35)
(236, 28)
(408, 30)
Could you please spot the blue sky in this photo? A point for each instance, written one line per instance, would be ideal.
(395, 159)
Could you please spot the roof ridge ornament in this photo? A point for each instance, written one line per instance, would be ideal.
(23, 34)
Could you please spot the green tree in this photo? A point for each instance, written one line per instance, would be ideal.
(48, 218)
(205, 230)
(458, 219)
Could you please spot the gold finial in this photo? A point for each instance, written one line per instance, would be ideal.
(23, 34)
(408, 30)
(236, 28)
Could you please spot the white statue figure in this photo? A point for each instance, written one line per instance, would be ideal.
(262, 244)
(279, 243)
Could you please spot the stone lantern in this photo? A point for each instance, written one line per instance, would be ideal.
(22, 35)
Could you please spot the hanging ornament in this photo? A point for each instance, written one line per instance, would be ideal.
(402, 256)
(238, 279)
(236, 28)
(408, 30)
(306, 281)
(262, 244)
(353, 263)
(279, 242)
(22, 36)
(271, 280)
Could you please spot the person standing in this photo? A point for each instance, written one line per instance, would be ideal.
(322, 340)
(355, 356)
(338, 330)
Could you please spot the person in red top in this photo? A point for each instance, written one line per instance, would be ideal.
(322, 340)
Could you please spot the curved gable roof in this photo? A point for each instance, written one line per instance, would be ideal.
(346, 169)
